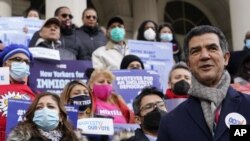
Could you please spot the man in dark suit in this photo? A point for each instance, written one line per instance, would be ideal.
(207, 114)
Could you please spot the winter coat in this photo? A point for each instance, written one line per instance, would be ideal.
(109, 56)
(90, 40)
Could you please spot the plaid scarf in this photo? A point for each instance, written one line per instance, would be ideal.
(210, 97)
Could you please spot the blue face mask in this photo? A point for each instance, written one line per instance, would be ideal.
(117, 34)
(19, 70)
(46, 119)
(166, 37)
(247, 43)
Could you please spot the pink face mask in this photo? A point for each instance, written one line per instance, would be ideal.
(102, 91)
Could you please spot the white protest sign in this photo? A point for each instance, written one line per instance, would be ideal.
(4, 76)
(98, 126)
(45, 53)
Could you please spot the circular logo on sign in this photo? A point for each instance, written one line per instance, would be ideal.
(235, 119)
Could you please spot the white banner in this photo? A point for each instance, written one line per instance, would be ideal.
(98, 126)
(4, 76)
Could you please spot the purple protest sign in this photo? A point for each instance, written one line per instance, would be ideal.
(72, 112)
(16, 108)
(52, 76)
(128, 83)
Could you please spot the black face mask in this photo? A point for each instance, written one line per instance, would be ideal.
(181, 87)
(152, 119)
(83, 101)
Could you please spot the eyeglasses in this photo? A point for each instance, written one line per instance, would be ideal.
(89, 16)
(150, 106)
(19, 59)
(67, 15)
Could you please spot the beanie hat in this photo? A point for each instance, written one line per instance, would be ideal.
(12, 49)
(128, 59)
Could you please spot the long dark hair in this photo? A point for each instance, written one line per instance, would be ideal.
(141, 29)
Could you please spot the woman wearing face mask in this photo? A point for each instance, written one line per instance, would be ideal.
(18, 59)
(77, 93)
(166, 33)
(105, 102)
(147, 31)
(46, 119)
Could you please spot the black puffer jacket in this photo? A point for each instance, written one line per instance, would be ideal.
(139, 136)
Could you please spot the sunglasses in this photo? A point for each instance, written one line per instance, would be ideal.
(67, 15)
(19, 59)
(93, 17)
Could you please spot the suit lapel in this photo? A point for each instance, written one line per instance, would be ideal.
(196, 113)
(230, 104)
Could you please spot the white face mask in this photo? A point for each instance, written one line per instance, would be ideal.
(149, 34)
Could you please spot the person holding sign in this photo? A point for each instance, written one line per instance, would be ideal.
(46, 119)
(105, 102)
(18, 59)
(131, 62)
(110, 56)
(213, 105)
(179, 81)
(31, 13)
(149, 108)
(166, 33)
(50, 38)
(77, 93)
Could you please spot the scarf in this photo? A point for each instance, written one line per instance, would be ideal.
(210, 97)
(54, 135)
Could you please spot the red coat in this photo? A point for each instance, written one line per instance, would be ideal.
(16, 91)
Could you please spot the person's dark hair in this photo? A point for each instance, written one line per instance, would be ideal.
(32, 9)
(244, 68)
(179, 65)
(141, 29)
(88, 72)
(203, 29)
(57, 11)
(145, 91)
(170, 27)
(87, 9)
(174, 41)
(64, 126)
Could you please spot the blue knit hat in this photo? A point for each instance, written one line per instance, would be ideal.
(12, 49)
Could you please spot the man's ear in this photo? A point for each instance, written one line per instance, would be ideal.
(138, 119)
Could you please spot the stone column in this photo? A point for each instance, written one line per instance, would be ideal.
(144, 10)
(76, 7)
(240, 21)
(5, 10)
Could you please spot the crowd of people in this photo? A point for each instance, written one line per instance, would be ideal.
(201, 75)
